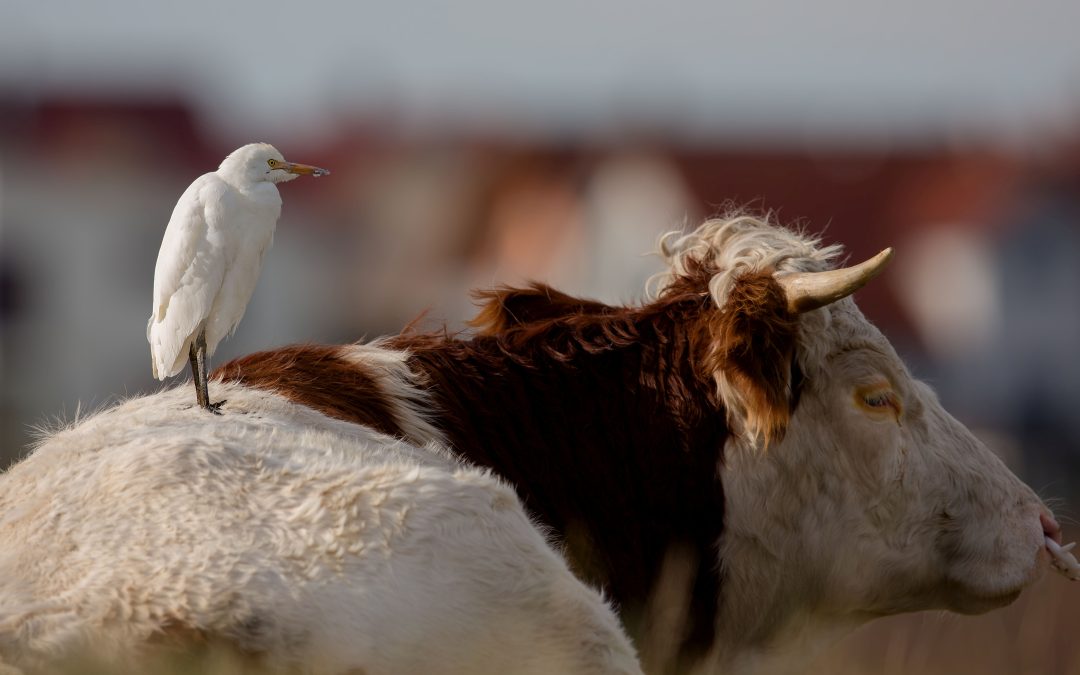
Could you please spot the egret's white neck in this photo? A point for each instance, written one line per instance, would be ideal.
(241, 176)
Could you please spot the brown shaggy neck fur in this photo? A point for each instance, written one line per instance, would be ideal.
(606, 419)
(610, 431)
(508, 307)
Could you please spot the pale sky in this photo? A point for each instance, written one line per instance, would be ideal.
(828, 67)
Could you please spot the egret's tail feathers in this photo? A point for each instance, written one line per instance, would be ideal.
(168, 351)
(153, 352)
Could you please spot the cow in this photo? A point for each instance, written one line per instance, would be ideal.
(746, 431)
(741, 464)
(282, 540)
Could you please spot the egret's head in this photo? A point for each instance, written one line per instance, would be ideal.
(261, 162)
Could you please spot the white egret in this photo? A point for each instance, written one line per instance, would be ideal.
(210, 258)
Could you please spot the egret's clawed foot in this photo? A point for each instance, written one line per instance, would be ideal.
(214, 407)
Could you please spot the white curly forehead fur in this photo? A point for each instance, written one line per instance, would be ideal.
(737, 246)
(744, 245)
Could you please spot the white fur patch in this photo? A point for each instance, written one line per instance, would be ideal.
(400, 387)
(318, 543)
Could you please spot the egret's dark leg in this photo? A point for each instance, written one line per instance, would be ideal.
(200, 395)
(200, 351)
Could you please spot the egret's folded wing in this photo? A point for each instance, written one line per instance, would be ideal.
(236, 290)
(188, 276)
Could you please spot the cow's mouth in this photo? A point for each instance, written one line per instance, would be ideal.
(1062, 560)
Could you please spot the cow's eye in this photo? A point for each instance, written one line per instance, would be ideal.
(878, 399)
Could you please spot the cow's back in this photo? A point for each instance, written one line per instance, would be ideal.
(289, 536)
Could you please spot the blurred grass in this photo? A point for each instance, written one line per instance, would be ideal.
(1036, 635)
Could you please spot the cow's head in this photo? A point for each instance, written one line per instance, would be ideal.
(851, 493)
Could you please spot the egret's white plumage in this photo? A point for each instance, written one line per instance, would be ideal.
(211, 255)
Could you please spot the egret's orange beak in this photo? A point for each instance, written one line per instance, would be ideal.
(304, 169)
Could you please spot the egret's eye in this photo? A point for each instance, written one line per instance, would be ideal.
(272, 162)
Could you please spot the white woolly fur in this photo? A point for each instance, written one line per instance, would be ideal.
(737, 246)
(321, 544)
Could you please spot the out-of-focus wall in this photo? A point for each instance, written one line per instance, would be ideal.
(477, 143)
(981, 298)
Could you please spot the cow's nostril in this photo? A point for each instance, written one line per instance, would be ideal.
(1050, 526)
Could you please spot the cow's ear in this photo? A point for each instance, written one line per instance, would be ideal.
(752, 347)
(506, 307)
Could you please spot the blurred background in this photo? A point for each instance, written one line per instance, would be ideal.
(480, 142)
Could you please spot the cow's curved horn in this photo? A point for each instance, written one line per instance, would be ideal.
(809, 290)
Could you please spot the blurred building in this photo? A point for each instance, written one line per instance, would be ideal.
(408, 224)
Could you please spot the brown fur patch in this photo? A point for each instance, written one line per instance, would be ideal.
(609, 427)
(506, 307)
(318, 377)
(753, 345)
